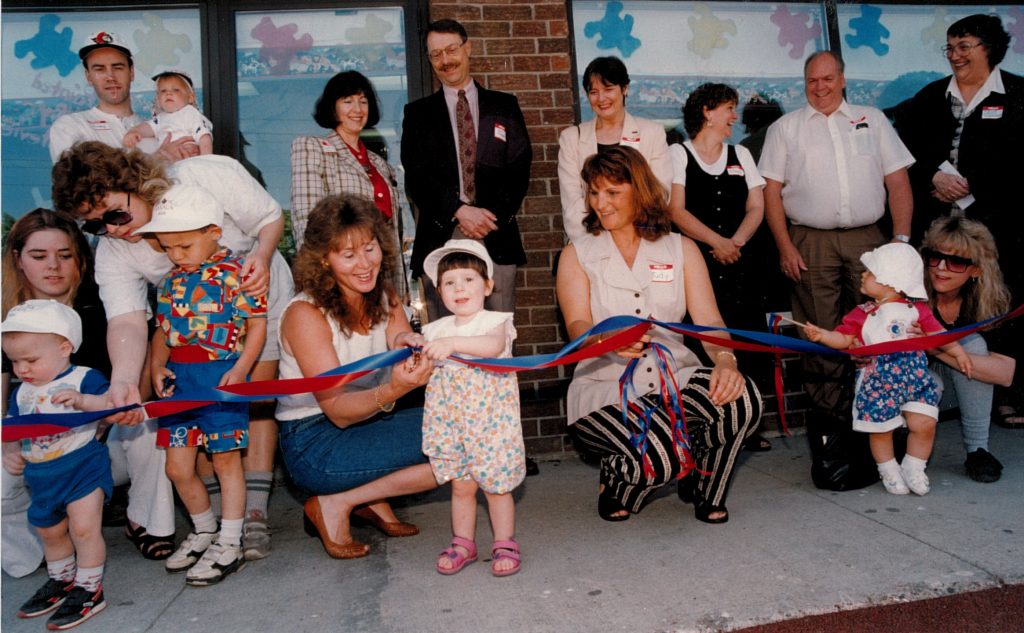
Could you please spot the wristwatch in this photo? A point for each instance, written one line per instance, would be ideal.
(902, 238)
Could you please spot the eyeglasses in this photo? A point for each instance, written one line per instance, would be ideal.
(954, 263)
(112, 217)
(449, 50)
(962, 48)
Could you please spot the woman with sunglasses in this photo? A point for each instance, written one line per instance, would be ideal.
(964, 133)
(965, 286)
(114, 191)
(47, 257)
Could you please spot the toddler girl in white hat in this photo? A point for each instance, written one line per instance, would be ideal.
(895, 389)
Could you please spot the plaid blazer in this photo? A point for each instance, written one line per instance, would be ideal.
(324, 166)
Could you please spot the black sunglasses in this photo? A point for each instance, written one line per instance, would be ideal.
(954, 263)
(112, 217)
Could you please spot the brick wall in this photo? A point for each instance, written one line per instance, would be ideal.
(523, 48)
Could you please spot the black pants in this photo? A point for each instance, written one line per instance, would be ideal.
(716, 438)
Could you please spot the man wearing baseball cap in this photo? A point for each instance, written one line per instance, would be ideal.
(110, 70)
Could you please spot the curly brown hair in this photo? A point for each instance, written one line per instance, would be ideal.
(86, 172)
(331, 221)
(625, 165)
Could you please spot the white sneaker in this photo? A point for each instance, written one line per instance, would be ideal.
(916, 480)
(217, 562)
(189, 551)
(893, 482)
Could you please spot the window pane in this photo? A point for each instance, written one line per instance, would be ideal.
(892, 51)
(672, 47)
(284, 60)
(43, 79)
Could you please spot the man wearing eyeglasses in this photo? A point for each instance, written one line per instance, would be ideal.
(831, 168)
(467, 155)
(110, 70)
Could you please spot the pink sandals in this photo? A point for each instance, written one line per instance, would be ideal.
(458, 559)
(502, 550)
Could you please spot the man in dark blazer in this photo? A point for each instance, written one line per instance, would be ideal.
(434, 174)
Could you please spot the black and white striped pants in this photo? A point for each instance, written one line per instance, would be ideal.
(716, 438)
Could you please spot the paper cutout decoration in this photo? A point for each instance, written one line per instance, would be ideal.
(935, 34)
(373, 31)
(279, 44)
(869, 31)
(708, 31)
(1016, 29)
(48, 47)
(158, 46)
(615, 32)
(794, 30)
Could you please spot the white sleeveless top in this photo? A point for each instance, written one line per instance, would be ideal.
(652, 287)
(349, 349)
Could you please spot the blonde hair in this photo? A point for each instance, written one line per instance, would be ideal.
(987, 295)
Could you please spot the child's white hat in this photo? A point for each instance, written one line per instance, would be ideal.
(472, 247)
(45, 316)
(174, 73)
(104, 39)
(897, 265)
(183, 208)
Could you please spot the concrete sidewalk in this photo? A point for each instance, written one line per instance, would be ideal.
(788, 550)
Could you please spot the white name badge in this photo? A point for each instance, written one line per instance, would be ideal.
(327, 147)
(992, 112)
(662, 273)
(735, 170)
(100, 125)
(499, 132)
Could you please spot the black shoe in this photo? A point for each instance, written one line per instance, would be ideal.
(608, 507)
(531, 468)
(686, 487)
(81, 604)
(46, 599)
(982, 466)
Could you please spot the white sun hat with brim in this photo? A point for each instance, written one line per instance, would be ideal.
(45, 316)
(456, 246)
(184, 208)
(899, 266)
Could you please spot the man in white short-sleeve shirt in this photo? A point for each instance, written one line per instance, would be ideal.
(830, 169)
(110, 70)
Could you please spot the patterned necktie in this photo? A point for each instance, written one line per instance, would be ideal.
(467, 146)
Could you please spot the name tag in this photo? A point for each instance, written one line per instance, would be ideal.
(100, 125)
(662, 272)
(499, 132)
(327, 147)
(734, 170)
(992, 112)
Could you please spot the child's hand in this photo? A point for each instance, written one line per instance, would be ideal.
(163, 382)
(14, 463)
(233, 376)
(440, 349)
(131, 139)
(68, 398)
(814, 333)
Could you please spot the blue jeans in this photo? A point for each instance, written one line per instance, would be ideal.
(324, 459)
(972, 396)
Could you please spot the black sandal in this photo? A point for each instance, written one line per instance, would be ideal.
(704, 510)
(151, 547)
(608, 507)
(686, 488)
(756, 443)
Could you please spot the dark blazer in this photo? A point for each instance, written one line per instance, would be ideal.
(432, 172)
(991, 157)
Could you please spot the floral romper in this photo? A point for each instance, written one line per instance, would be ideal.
(894, 382)
(471, 426)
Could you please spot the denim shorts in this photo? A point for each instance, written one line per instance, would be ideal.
(219, 427)
(325, 459)
(57, 483)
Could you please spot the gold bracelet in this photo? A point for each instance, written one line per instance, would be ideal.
(386, 408)
(731, 355)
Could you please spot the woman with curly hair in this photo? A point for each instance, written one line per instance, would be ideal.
(114, 191)
(965, 286)
(349, 446)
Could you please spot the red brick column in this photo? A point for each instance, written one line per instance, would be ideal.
(523, 48)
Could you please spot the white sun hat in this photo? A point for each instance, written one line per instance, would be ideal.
(472, 247)
(184, 208)
(45, 316)
(897, 265)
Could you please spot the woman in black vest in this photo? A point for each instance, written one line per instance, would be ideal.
(717, 200)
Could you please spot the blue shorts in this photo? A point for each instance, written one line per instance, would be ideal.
(57, 483)
(218, 427)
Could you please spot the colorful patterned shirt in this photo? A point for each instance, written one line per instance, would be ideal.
(206, 307)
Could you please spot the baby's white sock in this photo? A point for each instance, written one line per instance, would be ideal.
(62, 570)
(89, 578)
(231, 532)
(205, 521)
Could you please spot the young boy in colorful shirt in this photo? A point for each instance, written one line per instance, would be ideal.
(209, 334)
